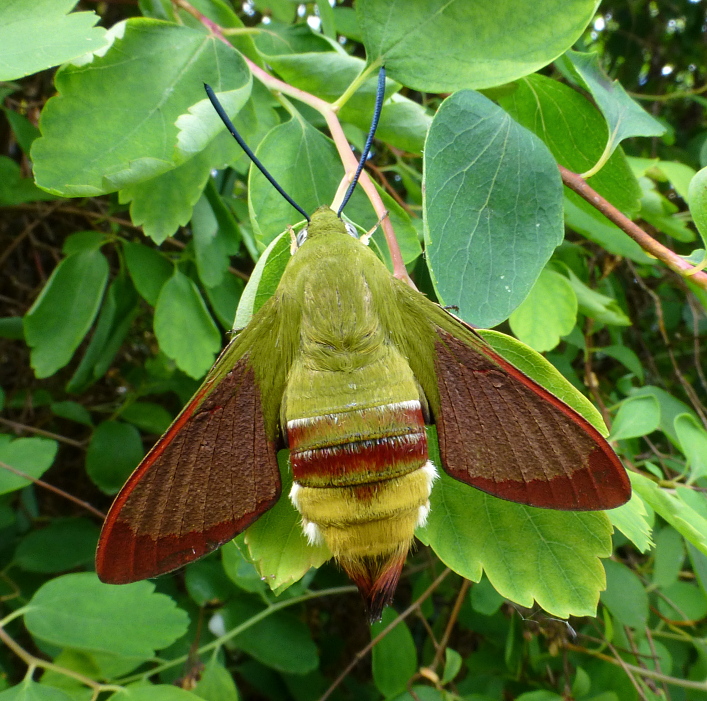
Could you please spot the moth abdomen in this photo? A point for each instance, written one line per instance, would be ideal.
(362, 483)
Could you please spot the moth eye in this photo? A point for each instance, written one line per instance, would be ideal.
(302, 237)
(351, 230)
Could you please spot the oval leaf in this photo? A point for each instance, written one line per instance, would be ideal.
(34, 456)
(64, 311)
(625, 596)
(493, 208)
(394, 657)
(113, 453)
(547, 313)
(637, 416)
(184, 328)
(445, 45)
(78, 611)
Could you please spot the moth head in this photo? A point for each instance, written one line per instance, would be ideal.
(325, 221)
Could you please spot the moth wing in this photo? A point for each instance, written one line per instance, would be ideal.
(499, 430)
(210, 476)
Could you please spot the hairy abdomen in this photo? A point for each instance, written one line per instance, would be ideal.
(358, 452)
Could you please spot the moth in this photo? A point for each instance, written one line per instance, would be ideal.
(345, 365)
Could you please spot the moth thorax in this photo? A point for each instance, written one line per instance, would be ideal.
(368, 528)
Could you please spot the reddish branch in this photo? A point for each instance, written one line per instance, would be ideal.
(647, 243)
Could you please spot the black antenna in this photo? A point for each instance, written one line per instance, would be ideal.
(234, 133)
(369, 139)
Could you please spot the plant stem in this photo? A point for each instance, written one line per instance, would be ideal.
(328, 111)
(32, 662)
(218, 642)
(645, 241)
(362, 653)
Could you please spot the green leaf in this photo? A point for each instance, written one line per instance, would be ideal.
(678, 513)
(153, 73)
(493, 208)
(625, 595)
(153, 692)
(683, 602)
(73, 411)
(83, 241)
(164, 203)
(624, 116)
(444, 45)
(64, 544)
(670, 408)
(212, 248)
(24, 131)
(280, 641)
(216, 683)
(540, 695)
(596, 305)
(184, 328)
(581, 217)
(547, 313)
(428, 693)
(557, 114)
(452, 665)
(224, 299)
(637, 416)
(65, 309)
(484, 598)
(207, 583)
(117, 314)
(114, 452)
(626, 357)
(78, 611)
(528, 554)
(148, 268)
(632, 520)
(263, 280)
(239, 568)
(11, 327)
(669, 557)
(147, 416)
(661, 213)
(679, 175)
(33, 456)
(308, 168)
(31, 691)
(697, 201)
(39, 34)
(14, 189)
(394, 657)
(277, 544)
(693, 439)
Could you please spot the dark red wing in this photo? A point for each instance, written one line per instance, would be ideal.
(501, 432)
(209, 477)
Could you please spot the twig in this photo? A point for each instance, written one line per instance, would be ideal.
(52, 488)
(641, 671)
(218, 642)
(31, 661)
(463, 590)
(646, 242)
(15, 426)
(362, 653)
(328, 111)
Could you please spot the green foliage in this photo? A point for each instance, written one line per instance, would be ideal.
(115, 304)
(474, 248)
